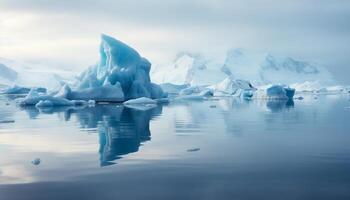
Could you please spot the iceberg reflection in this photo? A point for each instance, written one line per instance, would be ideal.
(121, 129)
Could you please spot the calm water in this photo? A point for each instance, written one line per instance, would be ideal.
(214, 149)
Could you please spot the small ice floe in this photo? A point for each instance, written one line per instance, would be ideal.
(348, 108)
(7, 121)
(91, 103)
(36, 161)
(142, 103)
(193, 150)
(142, 100)
(300, 98)
(23, 90)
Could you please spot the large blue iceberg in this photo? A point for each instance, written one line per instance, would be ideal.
(121, 74)
(121, 65)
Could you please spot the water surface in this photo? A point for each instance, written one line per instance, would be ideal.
(221, 148)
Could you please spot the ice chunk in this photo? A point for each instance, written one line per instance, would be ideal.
(36, 161)
(33, 98)
(142, 100)
(120, 66)
(235, 87)
(190, 90)
(276, 92)
(91, 103)
(44, 103)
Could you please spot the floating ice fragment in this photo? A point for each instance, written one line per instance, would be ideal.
(7, 121)
(22, 90)
(142, 100)
(36, 161)
(193, 150)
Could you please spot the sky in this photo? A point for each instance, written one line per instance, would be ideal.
(66, 33)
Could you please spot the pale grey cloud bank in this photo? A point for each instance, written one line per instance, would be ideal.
(66, 32)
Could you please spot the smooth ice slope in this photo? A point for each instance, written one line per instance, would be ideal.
(120, 65)
(232, 86)
(189, 69)
(32, 74)
(7, 75)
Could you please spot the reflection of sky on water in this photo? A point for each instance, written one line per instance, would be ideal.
(226, 136)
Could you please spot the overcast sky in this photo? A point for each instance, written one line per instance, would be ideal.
(66, 32)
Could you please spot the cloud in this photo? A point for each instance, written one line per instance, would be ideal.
(67, 31)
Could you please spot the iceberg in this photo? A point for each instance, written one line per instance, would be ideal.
(121, 74)
(120, 67)
(276, 92)
(35, 99)
(233, 87)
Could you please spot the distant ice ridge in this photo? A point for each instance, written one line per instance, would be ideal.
(260, 69)
(272, 69)
(121, 74)
(7, 75)
(188, 68)
(29, 75)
